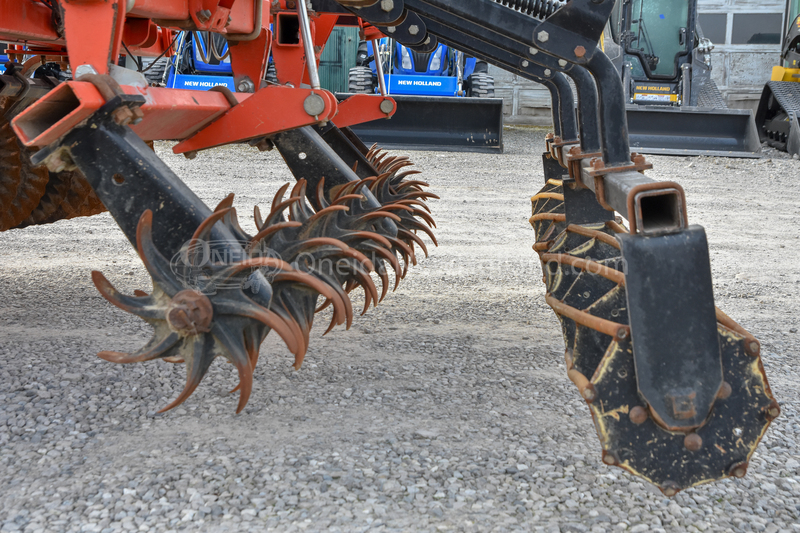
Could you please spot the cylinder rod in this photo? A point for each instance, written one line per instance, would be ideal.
(308, 44)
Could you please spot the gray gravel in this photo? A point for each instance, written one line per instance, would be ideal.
(446, 408)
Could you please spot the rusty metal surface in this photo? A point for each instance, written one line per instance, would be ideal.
(21, 184)
(586, 289)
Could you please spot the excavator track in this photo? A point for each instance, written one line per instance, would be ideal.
(583, 273)
(778, 115)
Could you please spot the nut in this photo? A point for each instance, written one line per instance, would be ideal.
(579, 51)
(122, 115)
(413, 29)
(543, 36)
(190, 313)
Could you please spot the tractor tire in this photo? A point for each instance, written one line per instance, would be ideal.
(156, 71)
(481, 85)
(272, 74)
(710, 96)
(360, 80)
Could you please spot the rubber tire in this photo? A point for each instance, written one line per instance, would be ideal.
(360, 80)
(272, 74)
(710, 96)
(155, 75)
(481, 85)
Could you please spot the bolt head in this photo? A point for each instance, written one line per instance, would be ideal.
(638, 415)
(693, 442)
(543, 36)
(739, 471)
(413, 29)
(525, 63)
(314, 105)
(547, 72)
(774, 411)
(589, 393)
(609, 459)
(391, 29)
(755, 348)
(562, 63)
(579, 51)
(387, 5)
(533, 51)
(725, 391)
(387, 106)
(670, 489)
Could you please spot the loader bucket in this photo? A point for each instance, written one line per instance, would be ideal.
(438, 123)
(693, 131)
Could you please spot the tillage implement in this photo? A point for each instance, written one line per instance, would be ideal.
(676, 388)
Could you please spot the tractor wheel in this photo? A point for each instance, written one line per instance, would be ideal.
(272, 74)
(481, 85)
(155, 72)
(361, 81)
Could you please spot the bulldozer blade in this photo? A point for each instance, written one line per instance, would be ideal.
(693, 131)
(438, 123)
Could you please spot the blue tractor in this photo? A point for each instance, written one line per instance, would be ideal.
(445, 99)
(443, 72)
(201, 62)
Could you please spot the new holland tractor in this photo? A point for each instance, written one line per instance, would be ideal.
(675, 387)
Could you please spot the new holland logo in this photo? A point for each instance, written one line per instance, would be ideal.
(419, 83)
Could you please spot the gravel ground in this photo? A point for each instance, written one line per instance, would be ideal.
(446, 408)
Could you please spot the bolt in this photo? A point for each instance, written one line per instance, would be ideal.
(387, 5)
(543, 36)
(427, 41)
(413, 29)
(204, 15)
(622, 333)
(122, 115)
(754, 348)
(533, 51)
(738, 470)
(562, 63)
(579, 51)
(589, 394)
(59, 161)
(609, 459)
(245, 86)
(387, 106)
(547, 72)
(525, 63)
(670, 489)
(190, 154)
(693, 442)
(725, 391)
(391, 29)
(638, 415)
(773, 411)
(314, 105)
(265, 145)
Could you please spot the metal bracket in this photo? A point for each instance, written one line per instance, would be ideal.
(673, 325)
